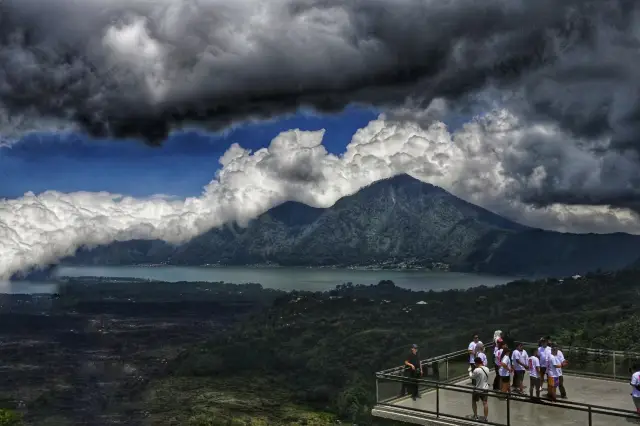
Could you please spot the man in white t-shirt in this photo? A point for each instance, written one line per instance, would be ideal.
(552, 373)
(481, 389)
(519, 361)
(471, 349)
(534, 375)
(635, 387)
(543, 356)
(563, 363)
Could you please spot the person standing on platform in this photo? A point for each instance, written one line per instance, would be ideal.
(635, 387)
(497, 356)
(543, 356)
(505, 369)
(413, 371)
(519, 364)
(481, 389)
(563, 363)
(534, 375)
(471, 350)
(480, 354)
(552, 373)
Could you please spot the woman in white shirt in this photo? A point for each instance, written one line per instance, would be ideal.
(505, 369)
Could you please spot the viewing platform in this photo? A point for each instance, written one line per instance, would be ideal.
(597, 384)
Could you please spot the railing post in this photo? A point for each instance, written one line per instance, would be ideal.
(508, 410)
(447, 370)
(614, 365)
(437, 400)
(590, 419)
(377, 390)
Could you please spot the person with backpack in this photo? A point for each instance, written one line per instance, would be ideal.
(480, 377)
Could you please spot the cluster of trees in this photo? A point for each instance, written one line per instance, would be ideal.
(10, 418)
(321, 350)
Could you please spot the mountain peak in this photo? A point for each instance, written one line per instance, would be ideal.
(402, 180)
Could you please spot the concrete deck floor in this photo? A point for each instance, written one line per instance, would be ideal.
(600, 392)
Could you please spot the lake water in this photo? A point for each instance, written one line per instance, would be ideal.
(312, 279)
(27, 287)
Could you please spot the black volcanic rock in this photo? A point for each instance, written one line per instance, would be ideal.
(399, 221)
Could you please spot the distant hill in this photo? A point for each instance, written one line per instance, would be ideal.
(398, 222)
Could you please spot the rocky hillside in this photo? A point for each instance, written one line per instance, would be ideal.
(396, 222)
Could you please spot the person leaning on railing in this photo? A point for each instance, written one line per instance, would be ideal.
(635, 386)
(412, 370)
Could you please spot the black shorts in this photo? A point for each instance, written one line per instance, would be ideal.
(519, 374)
(534, 381)
(505, 379)
(543, 370)
(480, 396)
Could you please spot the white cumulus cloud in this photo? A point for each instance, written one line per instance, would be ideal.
(487, 162)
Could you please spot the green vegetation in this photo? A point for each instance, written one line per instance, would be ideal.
(311, 356)
(10, 418)
(122, 351)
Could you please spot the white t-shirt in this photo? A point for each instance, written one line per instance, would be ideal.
(534, 362)
(483, 357)
(560, 358)
(543, 355)
(497, 355)
(481, 377)
(472, 348)
(552, 371)
(505, 372)
(635, 381)
(518, 356)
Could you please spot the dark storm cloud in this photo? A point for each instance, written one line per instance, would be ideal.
(140, 69)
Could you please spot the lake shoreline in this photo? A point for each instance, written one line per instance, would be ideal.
(291, 278)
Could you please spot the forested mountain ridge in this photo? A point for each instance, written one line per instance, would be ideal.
(398, 222)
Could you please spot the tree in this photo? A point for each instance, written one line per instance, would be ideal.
(10, 418)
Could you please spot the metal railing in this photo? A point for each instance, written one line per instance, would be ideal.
(438, 387)
(601, 363)
(447, 367)
(441, 372)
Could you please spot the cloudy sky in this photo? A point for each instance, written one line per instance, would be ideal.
(137, 119)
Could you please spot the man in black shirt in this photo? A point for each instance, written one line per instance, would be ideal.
(412, 370)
